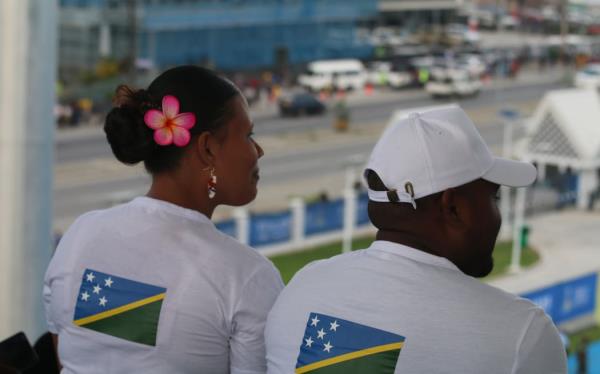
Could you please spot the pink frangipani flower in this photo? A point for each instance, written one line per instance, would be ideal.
(170, 126)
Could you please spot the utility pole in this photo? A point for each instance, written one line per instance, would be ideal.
(132, 20)
(564, 28)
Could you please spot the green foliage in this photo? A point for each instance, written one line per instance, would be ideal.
(289, 263)
(591, 334)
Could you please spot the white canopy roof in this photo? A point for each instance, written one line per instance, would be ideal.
(565, 129)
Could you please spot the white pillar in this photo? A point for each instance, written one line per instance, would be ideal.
(586, 184)
(28, 40)
(515, 264)
(104, 41)
(541, 172)
(298, 217)
(506, 228)
(349, 219)
(242, 224)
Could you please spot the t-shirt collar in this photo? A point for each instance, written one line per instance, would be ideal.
(412, 253)
(165, 206)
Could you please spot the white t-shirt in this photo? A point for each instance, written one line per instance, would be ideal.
(391, 298)
(151, 287)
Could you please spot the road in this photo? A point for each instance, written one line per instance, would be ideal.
(365, 113)
(323, 162)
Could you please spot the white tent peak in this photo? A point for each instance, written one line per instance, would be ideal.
(565, 129)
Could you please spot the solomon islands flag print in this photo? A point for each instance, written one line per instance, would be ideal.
(333, 345)
(119, 307)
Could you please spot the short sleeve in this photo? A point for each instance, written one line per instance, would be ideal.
(47, 294)
(540, 349)
(247, 344)
(56, 306)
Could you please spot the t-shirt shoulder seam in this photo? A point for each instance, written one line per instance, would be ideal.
(536, 311)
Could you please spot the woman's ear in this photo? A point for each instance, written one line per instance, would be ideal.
(206, 148)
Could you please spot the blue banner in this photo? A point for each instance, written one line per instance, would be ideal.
(270, 228)
(362, 215)
(324, 216)
(568, 300)
(227, 227)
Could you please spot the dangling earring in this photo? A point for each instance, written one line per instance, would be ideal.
(212, 184)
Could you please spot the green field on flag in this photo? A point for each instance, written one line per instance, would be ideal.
(382, 362)
(138, 325)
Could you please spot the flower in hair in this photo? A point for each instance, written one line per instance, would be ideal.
(170, 126)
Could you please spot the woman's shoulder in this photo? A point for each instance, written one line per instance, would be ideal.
(243, 253)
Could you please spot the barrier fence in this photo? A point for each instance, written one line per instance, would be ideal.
(300, 224)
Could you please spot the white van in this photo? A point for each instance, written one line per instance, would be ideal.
(347, 74)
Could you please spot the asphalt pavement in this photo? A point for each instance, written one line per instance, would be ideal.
(304, 156)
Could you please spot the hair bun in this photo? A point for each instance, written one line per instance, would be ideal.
(129, 137)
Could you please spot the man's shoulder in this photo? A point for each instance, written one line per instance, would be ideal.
(326, 265)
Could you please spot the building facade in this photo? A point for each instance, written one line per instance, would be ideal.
(226, 34)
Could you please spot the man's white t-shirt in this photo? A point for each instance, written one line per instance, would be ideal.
(390, 298)
(151, 287)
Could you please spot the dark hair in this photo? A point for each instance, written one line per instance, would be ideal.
(199, 90)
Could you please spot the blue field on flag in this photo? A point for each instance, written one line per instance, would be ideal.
(329, 341)
(100, 292)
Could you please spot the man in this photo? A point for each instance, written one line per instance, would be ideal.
(409, 302)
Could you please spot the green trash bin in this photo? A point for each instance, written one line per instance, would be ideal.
(524, 236)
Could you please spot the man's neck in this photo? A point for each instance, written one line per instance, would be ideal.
(409, 240)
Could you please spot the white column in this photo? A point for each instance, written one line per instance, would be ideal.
(298, 218)
(515, 264)
(242, 224)
(28, 40)
(506, 228)
(541, 171)
(586, 184)
(349, 219)
(104, 42)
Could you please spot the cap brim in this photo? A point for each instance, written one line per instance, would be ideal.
(511, 173)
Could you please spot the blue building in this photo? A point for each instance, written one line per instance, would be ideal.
(230, 34)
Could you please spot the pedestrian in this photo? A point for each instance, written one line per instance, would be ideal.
(410, 302)
(151, 286)
(582, 359)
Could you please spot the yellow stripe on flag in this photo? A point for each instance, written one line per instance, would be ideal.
(121, 309)
(349, 356)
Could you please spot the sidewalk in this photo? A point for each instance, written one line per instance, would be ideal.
(569, 245)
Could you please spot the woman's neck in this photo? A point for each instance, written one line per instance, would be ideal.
(168, 188)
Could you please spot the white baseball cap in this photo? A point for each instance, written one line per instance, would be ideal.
(437, 149)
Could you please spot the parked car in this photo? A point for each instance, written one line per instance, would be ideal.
(588, 77)
(453, 83)
(300, 103)
(346, 74)
(384, 74)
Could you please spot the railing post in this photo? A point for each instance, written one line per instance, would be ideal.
(298, 219)
(242, 224)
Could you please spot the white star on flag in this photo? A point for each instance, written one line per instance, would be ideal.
(97, 289)
(327, 347)
(321, 334)
(90, 277)
(85, 296)
(315, 321)
(334, 325)
(108, 282)
(309, 342)
(103, 301)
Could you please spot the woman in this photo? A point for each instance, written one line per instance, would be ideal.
(151, 286)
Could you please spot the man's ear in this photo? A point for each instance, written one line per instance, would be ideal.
(451, 207)
(207, 148)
